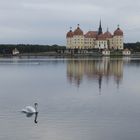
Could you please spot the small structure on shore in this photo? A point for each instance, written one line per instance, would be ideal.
(126, 52)
(15, 51)
(106, 52)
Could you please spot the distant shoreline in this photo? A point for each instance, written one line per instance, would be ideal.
(64, 55)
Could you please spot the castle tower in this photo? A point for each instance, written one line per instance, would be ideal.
(78, 37)
(69, 38)
(118, 39)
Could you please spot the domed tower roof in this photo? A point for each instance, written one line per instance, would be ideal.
(70, 33)
(78, 31)
(107, 34)
(118, 32)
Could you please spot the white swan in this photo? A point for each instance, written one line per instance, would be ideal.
(30, 109)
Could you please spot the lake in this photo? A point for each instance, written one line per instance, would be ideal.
(78, 99)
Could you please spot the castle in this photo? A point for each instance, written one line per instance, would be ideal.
(95, 39)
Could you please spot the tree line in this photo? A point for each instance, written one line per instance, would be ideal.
(28, 48)
(135, 47)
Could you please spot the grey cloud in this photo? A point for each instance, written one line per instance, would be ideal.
(47, 21)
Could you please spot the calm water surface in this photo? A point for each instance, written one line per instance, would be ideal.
(79, 99)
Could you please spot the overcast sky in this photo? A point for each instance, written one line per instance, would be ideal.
(47, 21)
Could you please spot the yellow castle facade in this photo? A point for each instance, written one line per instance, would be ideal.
(95, 39)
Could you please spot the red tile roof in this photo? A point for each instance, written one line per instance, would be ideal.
(91, 34)
(101, 37)
(107, 34)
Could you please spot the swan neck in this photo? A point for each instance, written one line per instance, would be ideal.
(36, 108)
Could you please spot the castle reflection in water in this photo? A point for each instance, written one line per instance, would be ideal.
(98, 70)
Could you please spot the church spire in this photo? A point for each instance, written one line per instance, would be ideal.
(100, 28)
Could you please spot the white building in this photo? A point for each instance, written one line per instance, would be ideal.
(15, 51)
(126, 52)
(95, 39)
